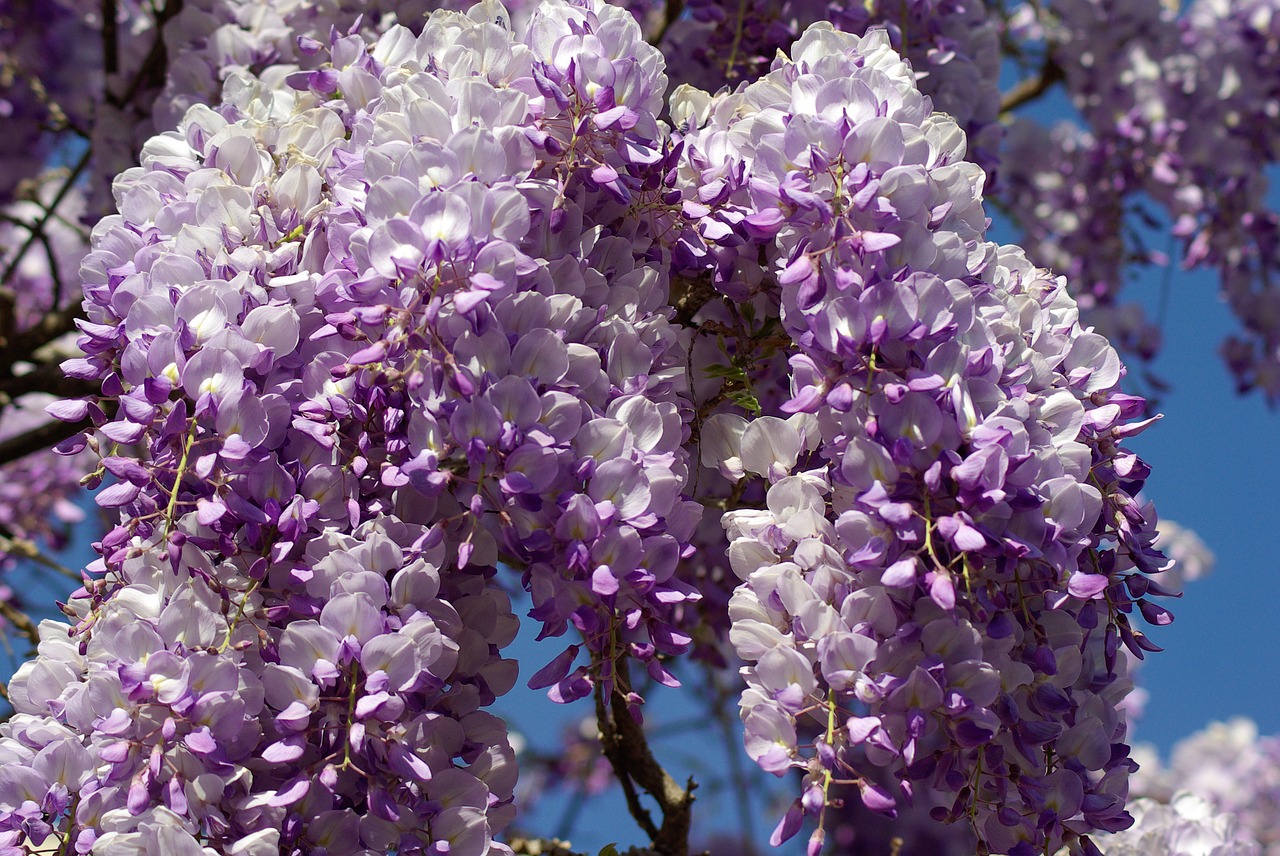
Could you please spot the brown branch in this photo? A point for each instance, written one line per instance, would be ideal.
(8, 313)
(625, 745)
(55, 270)
(110, 42)
(151, 73)
(39, 439)
(689, 296)
(609, 738)
(38, 226)
(54, 324)
(20, 621)
(671, 13)
(1031, 88)
(47, 377)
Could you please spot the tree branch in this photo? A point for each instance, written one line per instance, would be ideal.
(38, 226)
(671, 13)
(54, 324)
(151, 73)
(39, 439)
(689, 296)
(20, 621)
(1031, 88)
(110, 42)
(47, 377)
(625, 745)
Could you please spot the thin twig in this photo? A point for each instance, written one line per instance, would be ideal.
(1031, 88)
(20, 621)
(47, 377)
(110, 43)
(15, 546)
(39, 225)
(674, 9)
(627, 749)
(39, 439)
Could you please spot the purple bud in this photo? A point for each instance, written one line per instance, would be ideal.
(788, 826)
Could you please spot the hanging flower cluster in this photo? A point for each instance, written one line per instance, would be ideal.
(1180, 112)
(1185, 826)
(375, 325)
(1225, 767)
(215, 38)
(952, 46)
(949, 551)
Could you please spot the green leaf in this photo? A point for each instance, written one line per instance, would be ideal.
(609, 850)
(729, 372)
(744, 399)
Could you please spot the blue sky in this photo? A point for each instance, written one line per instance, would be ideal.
(1216, 469)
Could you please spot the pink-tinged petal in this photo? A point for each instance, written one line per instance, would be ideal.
(68, 410)
(395, 655)
(209, 511)
(305, 643)
(396, 248)
(901, 573)
(201, 742)
(138, 797)
(353, 614)
(603, 581)
(622, 483)
(661, 675)
(874, 242)
(538, 468)
(764, 224)
(369, 704)
(116, 751)
(214, 371)
(375, 353)
(860, 728)
(1087, 586)
(877, 799)
(293, 718)
(577, 685)
(408, 764)
(540, 354)
(126, 433)
(444, 219)
(788, 826)
(291, 793)
(391, 197)
(117, 495)
(283, 752)
(770, 447)
(943, 591)
(20, 784)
